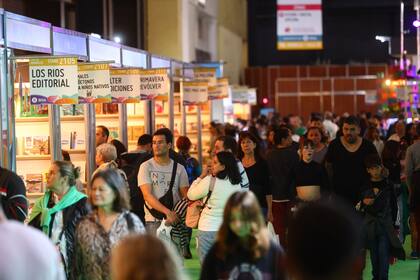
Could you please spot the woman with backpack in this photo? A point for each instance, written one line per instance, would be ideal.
(109, 222)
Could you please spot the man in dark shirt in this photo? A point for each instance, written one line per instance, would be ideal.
(281, 161)
(345, 162)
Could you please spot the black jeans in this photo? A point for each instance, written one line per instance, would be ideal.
(379, 256)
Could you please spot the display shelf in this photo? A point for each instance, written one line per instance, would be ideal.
(76, 151)
(33, 157)
(34, 194)
(45, 119)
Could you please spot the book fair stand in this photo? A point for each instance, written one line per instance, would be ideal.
(57, 85)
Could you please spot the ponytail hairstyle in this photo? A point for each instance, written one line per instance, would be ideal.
(67, 169)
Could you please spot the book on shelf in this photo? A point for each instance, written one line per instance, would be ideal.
(137, 131)
(34, 145)
(34, 183)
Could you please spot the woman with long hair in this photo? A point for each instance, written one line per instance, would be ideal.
(224, 180)
(320, 148)
(243, 247)
(144, 257)
(256, 169)
(108, 223)
(59, 210)
(372, 134)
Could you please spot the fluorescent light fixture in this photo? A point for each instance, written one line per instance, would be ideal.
(117, 39)
(383, 39)
(95, 35)
(416, 23)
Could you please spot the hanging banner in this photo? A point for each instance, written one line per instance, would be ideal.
(206, 74)
(154, 83)
(299, 25)
(240, 95)
(125, 85)
(223, 85)
(194, 93)
(53, 80)
(252, 96)
(94, 82)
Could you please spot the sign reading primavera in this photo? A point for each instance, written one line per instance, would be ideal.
(94, 83)
(125, 85)
(53, 80)
(154, 83)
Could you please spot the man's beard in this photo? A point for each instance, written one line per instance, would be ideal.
(351, 139)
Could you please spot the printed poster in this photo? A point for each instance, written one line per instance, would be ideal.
(299, 25)
(94, 82)
(219, 91)
(154, 84)
(194, 93)
(206, 74)
(53, 80)
(125, 85)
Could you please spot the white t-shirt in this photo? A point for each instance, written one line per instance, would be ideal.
(27, 253)
(159, 178)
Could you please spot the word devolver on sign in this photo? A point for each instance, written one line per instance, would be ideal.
(125, 85)
(94, 82)
(154, 83)
(194, 93)
(299, 25)
(53, 80)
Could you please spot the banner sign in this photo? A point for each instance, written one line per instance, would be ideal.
(154, 83)
(125, 85)
(223, 86)
(206, 74)
(252, 96)
(53, 80)
(240, 95)
(94, 82)
(194, 93)
(299, 25)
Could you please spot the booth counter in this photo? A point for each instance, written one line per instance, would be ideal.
(35, 135)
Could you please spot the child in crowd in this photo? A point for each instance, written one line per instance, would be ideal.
(379, 210)
(310, 176)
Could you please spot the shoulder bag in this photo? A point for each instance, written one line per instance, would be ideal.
(195, 208)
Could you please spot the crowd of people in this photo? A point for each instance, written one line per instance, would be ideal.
(279, 200)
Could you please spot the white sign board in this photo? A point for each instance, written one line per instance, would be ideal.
(154, 83)
(221, 89)
(125, 85)
(252, 96)
(94, 82)
(53, 80)
(206, 74)
(194, 93)
(240, 95)
(299, 25)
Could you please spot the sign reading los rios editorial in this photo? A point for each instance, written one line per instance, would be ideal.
(53, 80)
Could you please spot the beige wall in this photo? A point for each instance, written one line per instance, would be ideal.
(163, 27)
(233, 16)
(232, 38)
